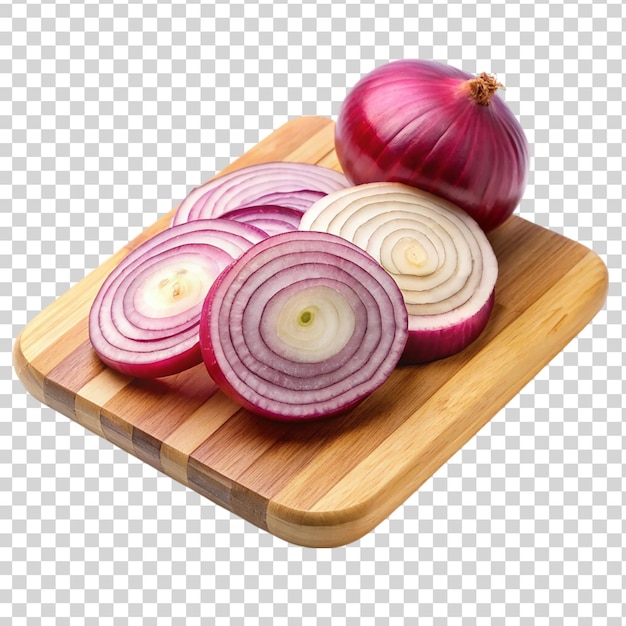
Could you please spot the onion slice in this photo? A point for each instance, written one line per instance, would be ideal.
(145, 317)
(302, 326)
(271, 218)
(437, 254)
(289, 184)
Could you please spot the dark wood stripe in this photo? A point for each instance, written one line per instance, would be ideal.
(66, 379)
(250, 505)
(222, 490)
(147, 447)
(118, 431)
(209, 483)
(238, 442)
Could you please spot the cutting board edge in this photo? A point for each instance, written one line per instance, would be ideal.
(309, 528)
(31, 378)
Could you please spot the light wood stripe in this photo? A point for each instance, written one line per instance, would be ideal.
(193, 432)
(330, 161)
(316, 149)
(94, 395)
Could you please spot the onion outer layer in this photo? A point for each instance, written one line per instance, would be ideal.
(294, 185)
(437, 254)
(302, 326)
(271, 218)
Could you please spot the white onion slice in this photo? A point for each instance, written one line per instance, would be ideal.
(280, 183)
(144, 320)
(302, 326)
(437, 254)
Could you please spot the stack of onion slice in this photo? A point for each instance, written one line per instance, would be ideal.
(144, 320)
(287, 184)
(438, 255)
(302, 326)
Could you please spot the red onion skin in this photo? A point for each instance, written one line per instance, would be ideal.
(157, 369)
(412, 121)
(425, 346)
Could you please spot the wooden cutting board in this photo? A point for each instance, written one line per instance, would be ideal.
(330, 482)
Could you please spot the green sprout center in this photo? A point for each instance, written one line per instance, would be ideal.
(306, 318)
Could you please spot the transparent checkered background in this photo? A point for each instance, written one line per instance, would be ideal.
(110, 112)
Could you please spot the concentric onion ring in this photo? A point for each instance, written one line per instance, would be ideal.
(289, 184)
(437, 254)
(271, 218)
(302, 326)
(144, 320)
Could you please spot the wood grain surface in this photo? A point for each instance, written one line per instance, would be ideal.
(324, 483)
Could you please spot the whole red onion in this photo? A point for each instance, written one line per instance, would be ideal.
(437, 128)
